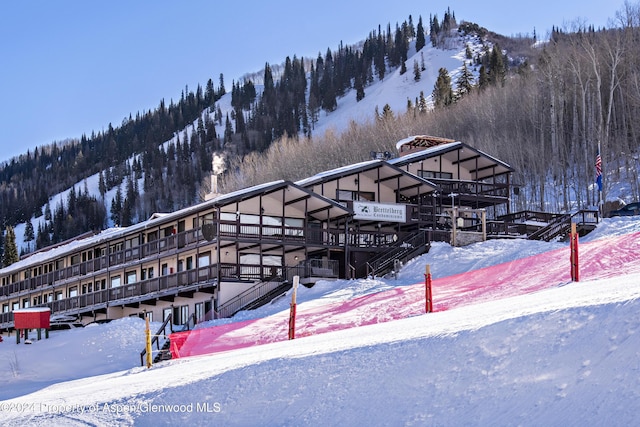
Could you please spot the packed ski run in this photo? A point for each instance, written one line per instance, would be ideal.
(511, 341)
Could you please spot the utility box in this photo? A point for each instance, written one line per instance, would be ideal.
(32, 318)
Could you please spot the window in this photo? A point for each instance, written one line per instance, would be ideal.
(199, 310)
(184, 314)
(25, 303)
(349, 195)
(189, 263)
(204, 259)
(73, 292)
(150, 272)
(115, 248)
(5, 308)
(58, 295)
(15, 306)
(101, 284)
(164, 270)
(132, 243)
(115, 281)
(132, 277)
(434, 174)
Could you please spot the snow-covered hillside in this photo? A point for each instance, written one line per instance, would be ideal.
(394, 90)
(568, 354)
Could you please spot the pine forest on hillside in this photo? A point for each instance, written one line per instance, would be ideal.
(543, 110)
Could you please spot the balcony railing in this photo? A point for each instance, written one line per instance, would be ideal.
(475, 188)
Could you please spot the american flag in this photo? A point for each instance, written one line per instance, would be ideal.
(599, 170)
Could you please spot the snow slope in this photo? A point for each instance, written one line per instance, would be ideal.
(563, 353)
(611, 257)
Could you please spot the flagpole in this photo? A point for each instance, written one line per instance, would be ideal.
(599, 181)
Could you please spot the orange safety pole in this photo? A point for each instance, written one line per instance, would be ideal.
(428, 293)
(147, 333)
(575, 270)
(292, 312)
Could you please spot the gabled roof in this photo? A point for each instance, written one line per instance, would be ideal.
(479, 163)
(425, 141)
(377, 170)
(317, 206)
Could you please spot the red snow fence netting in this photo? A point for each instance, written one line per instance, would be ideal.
(598, 260)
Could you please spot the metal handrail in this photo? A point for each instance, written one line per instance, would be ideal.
(400, 251)
(161, 332)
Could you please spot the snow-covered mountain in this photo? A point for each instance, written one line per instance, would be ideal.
(395, 90)
(567, 354)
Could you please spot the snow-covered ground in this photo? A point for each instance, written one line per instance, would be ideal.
(568, 354)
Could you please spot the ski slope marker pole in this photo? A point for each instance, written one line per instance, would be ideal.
(575, 271)
(428, 293)
(292, 312)
(147, 332)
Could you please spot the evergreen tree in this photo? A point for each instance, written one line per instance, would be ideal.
(221, 89)
(483, 78)
(116, 208)
(359, 87)
(403, 68)
(434, 30)
(420, 40)
(497, 67)
(228, 130)
(29, 234)
(327, 87)
(464, 82)
(387, 113)
(416, 71)
(442, 91)
(422, 103)
(10, 253)
(209, 93)
(48, 216)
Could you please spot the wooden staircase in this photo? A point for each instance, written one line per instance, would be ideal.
(403, 250)
(585, 219)
(161, 339)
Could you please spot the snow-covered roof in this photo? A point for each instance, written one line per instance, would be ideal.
(474, 160)
(407, 183)
(341, 171)
(158, 218)
(33, 310)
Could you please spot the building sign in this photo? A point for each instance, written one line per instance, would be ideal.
(379, 212)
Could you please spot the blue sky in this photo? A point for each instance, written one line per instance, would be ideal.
(70, 67)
